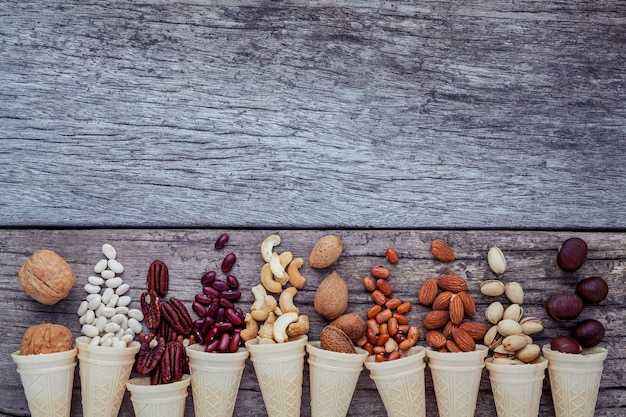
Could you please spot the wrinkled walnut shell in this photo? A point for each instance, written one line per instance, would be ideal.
(46, 277)
(46, 338)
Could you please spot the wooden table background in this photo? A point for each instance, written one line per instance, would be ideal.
(157, 125)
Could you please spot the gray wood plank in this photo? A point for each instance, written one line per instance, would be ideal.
(189, 253)
(494, 114)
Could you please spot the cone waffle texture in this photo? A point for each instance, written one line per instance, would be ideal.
(575, 380)
(400, 383)
(333, 378)
(456, 377)
(278, 368)
(104, 372)
(47, 380)
(517, 388)
(215, 379)
(164, 400)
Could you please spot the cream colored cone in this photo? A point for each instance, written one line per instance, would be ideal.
(456, 377)
(400, 383)
(517, 388)
(47, 380)
(215, 379)
(333, 377)
(103, 372)
(162, 400)
(575, 380)
(278, 368)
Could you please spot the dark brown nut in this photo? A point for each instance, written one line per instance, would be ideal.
(176, 314)
(46, 338)
(572, 254)
(46, 277)
(173, 362)
(158, 278)
(166, 331)
(150, 353)
(151, 309)
(592, 290)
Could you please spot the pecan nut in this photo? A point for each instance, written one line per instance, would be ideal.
(176, 314)
(151, 309)
(158, 278)
(150, 353)
(173, 362)
(166, 331)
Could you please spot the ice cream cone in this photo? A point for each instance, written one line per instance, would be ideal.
(456, 377)
(333, 378)
(215, 379)
(279, 368)
(163, 400)
(400, 383)
(47, 380)
(517, 388)
(103, 372)
(575, 380)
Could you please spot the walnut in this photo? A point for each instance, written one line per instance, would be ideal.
(46, 277)
(46, 338)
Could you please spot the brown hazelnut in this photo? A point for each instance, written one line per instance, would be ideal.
(46, 338)
(572, 254)
(46, 277)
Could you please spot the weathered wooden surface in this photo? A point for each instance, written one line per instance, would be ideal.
(313, 114)
(189, 253)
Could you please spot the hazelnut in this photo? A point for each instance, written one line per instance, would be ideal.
(46, 277)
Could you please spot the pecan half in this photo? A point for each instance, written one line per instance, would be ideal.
(166, 331)
(151, 308)
(158, 278)
(173, 363)
(150, 353)
(176, 314)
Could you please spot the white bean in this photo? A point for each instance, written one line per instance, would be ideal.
(90, 296)
(136, 314)
(115, 266)
(100, 323)
(109, 251)
(124, 301)
(82, 308)
(108, 312)
(95, 302)
(94, 280)
(118, 318)
(112, 327)
(100, 266)
(120, 333)
(107, 342)
(107, 294)
(127, 338)
(134, 325)
(122, 289)
(82, 320)
(92, 289)
(89, 316)
(119, 344)
(114, 282)
(89, 330)
(113, 301)
(95, 341)
(122, 310)
(107, 274)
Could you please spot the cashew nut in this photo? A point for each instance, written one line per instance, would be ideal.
(301, 326)
(267, 247)
(259, 297)
(267, 279)
(277, 268)
(267, 329)
(285, 258)
(286, 300)
(262, 314)
(252, 328)
(295, 278)
(280, 326)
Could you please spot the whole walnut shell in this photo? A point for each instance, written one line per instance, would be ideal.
(46, 338)
(46, 277)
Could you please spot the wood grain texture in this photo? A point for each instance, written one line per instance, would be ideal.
(189, 253)
(485, 114)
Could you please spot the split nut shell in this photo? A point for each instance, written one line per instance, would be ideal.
(334, 339)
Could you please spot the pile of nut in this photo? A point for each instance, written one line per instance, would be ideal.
(162, 354)
(105, 315)
(269, 320)
(510, 336)
(388, 333)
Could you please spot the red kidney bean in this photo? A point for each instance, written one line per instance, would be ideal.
(223, 327)
(239, 312)
(220, 285)
(225, 303)
(232, 316)
(203, 299)
(197, 324)
(212, 346)
(199, 309)
(224, 343)
(210, 291)
(198, 335)
(219, 314)
(212, 310)
(232, 281)
(231, 295)
(235, 341)
(206, 326)
(211, 334)
(221, 241)
(208, 278)
(229, 262)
